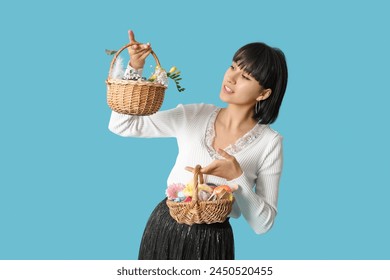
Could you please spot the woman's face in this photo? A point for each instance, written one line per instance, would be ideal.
(239, 88)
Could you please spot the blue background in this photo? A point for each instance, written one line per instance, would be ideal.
(70, 189)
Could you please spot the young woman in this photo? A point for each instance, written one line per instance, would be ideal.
(234, 145)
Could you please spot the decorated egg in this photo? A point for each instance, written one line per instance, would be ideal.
(203, 195)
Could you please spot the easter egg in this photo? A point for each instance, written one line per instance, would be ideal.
(223, 192)
(221, 188)
(181, 195)
(203, 195)
(206, 188)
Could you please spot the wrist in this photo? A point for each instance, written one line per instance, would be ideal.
(234, 175)
(136, 65)
(237, 180)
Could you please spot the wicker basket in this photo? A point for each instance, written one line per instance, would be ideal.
(200, 212)
(129, 97)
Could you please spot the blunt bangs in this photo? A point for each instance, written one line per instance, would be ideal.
(256, 60)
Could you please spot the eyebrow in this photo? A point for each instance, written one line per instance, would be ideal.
(246, 72)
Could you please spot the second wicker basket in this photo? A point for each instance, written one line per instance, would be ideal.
(200, 212)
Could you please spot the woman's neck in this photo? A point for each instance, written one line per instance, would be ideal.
(236, 118)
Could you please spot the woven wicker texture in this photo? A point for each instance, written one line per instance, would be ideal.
(134, 97)
(200, 212)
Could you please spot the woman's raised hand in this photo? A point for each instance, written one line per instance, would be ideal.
(138, 52)
(227, 168)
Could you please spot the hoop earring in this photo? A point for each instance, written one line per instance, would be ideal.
(257, 107)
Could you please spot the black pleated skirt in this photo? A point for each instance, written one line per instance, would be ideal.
(165, 239)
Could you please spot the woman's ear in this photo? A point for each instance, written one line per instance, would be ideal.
(264, 94)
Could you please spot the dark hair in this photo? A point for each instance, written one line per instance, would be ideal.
(268, 66)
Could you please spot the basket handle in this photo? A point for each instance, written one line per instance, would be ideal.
(198, 176)
(125, 47)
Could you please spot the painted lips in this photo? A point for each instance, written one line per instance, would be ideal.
(227, 89)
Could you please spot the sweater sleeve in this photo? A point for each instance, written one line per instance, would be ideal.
(161, 124)
(259, 206)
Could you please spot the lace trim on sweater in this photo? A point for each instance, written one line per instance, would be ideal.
(232, 149)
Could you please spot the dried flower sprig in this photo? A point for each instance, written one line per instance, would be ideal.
(110, 52)
(174, 74)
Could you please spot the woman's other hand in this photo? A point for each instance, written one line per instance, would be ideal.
(227, 168)
(138, 52)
